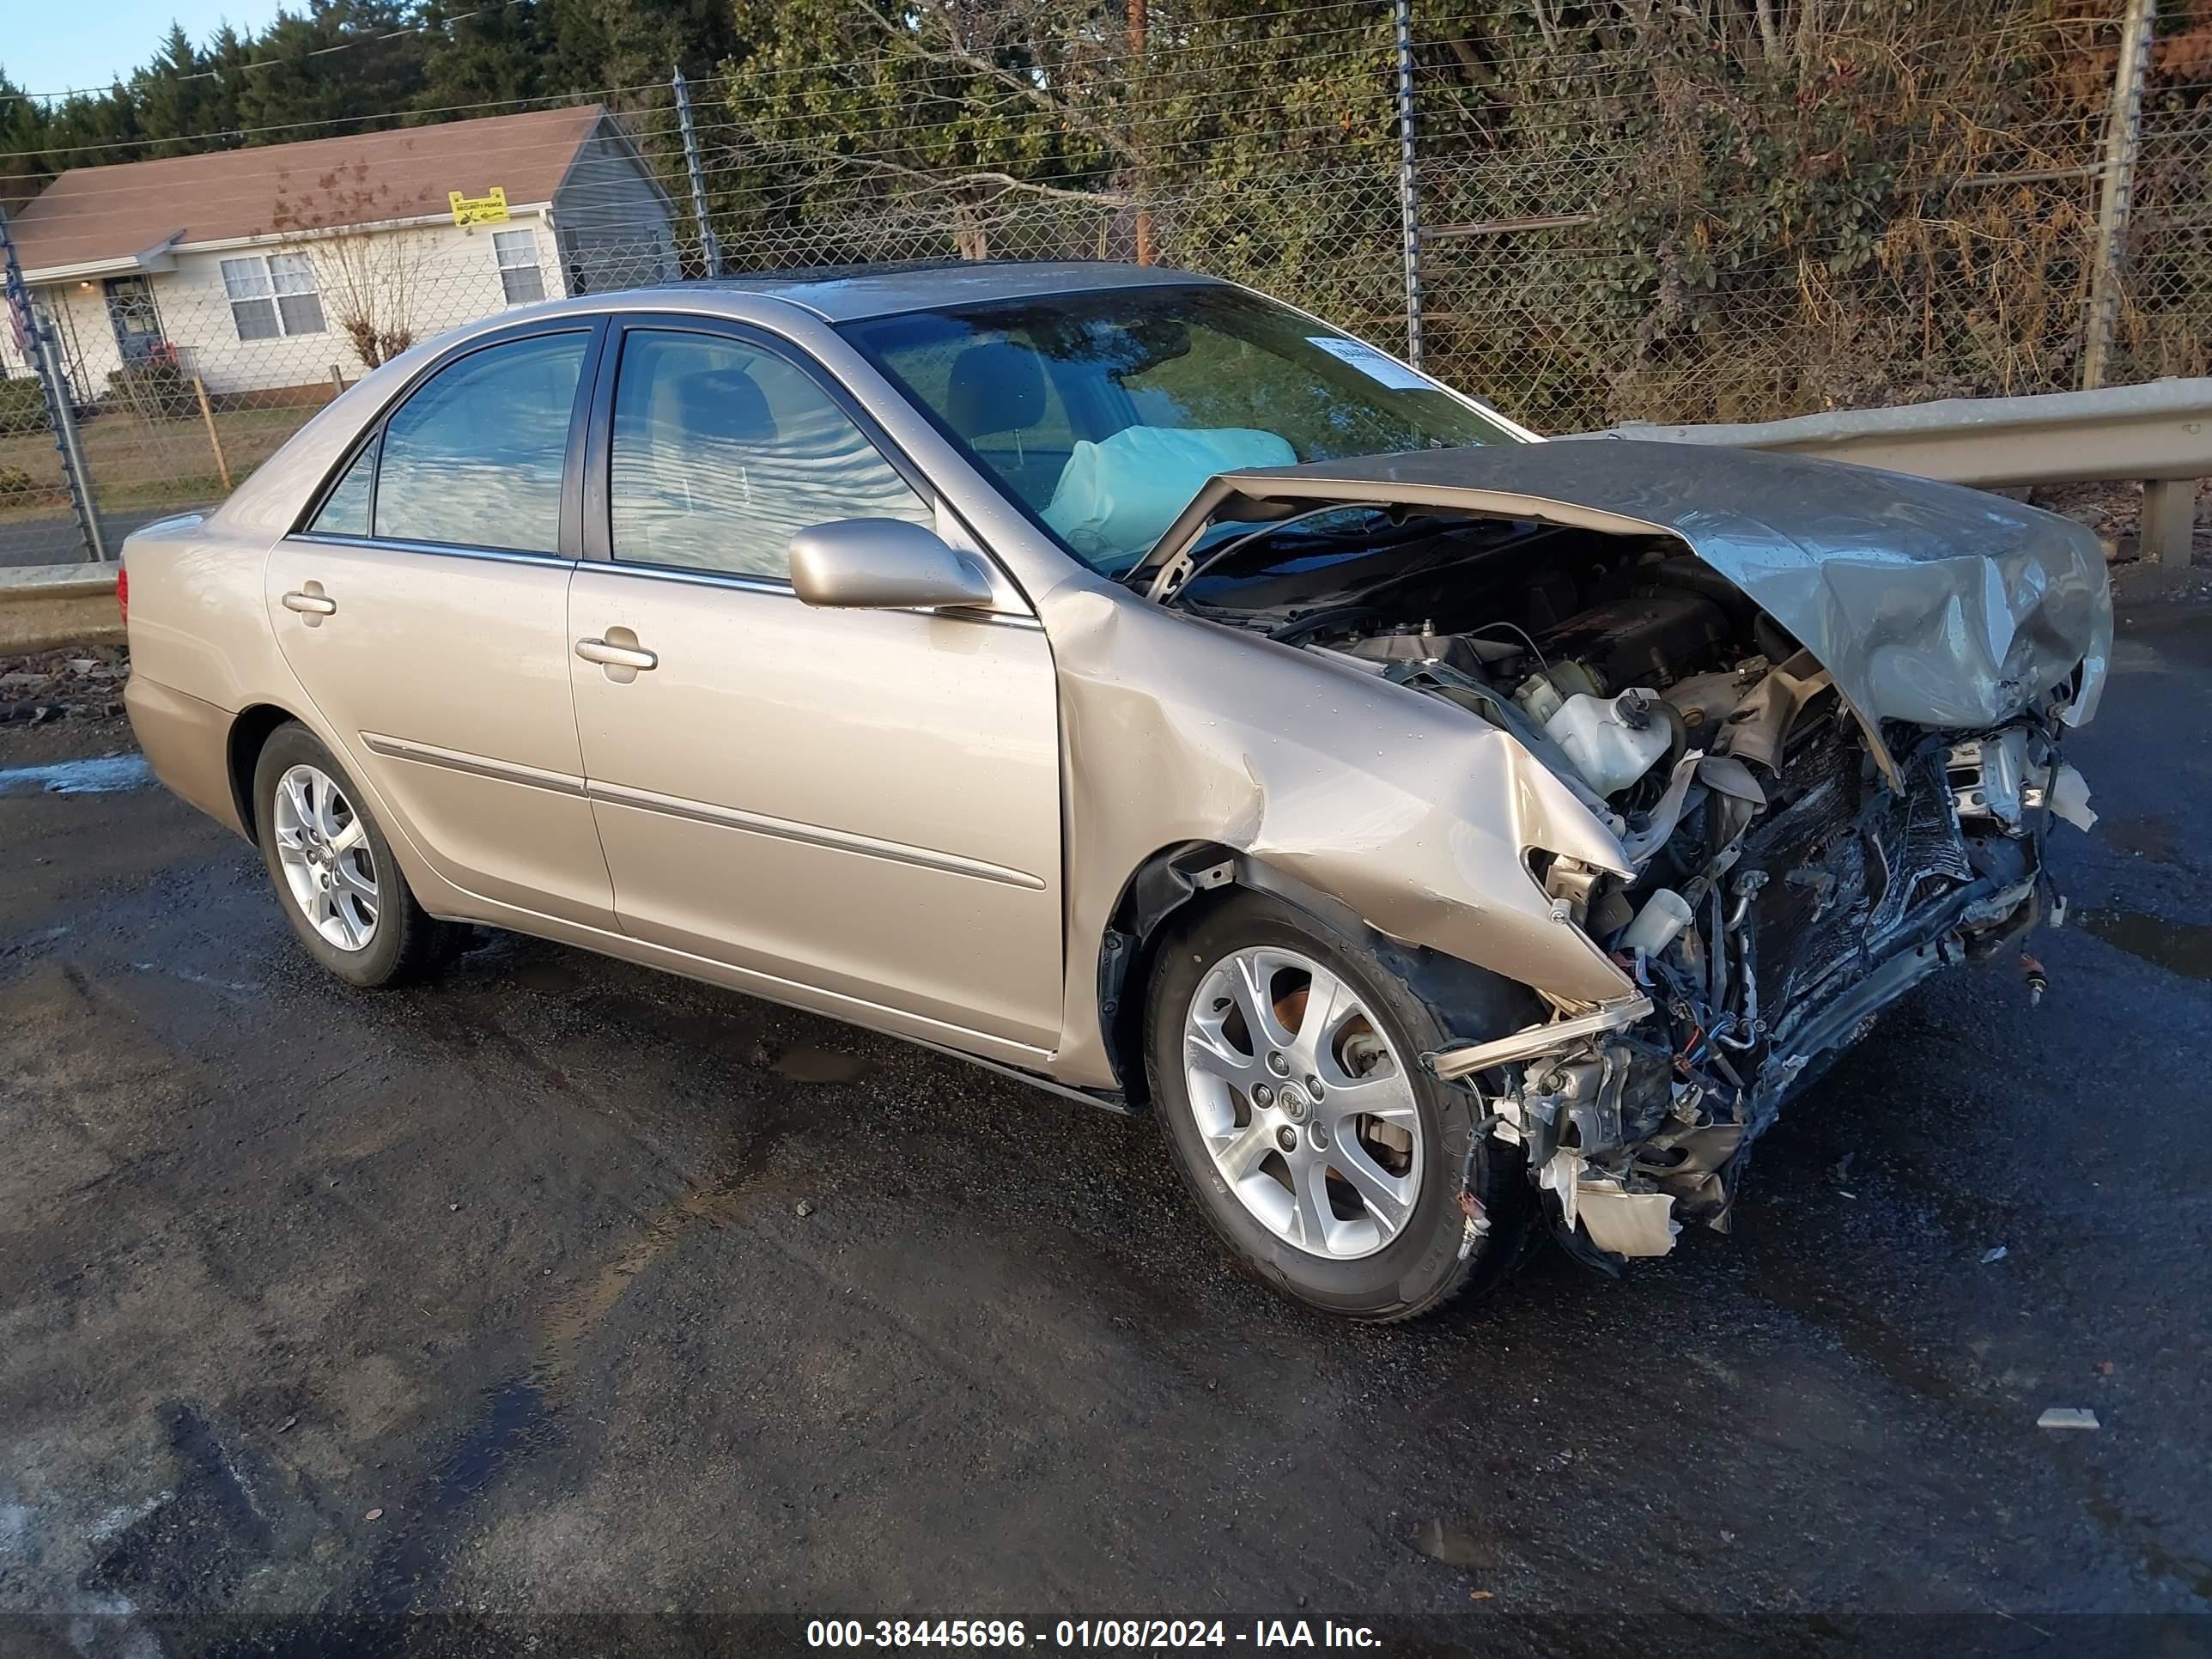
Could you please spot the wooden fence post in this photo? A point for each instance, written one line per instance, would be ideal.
(214, 438)
(2116, 195)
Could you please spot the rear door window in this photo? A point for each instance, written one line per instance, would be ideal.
(346, 509)
(475, 457)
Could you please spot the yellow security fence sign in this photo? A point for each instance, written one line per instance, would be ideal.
(488, 209)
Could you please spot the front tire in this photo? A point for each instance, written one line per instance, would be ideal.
(1283, 1061)
(336, 878)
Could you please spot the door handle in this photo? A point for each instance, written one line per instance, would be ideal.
(311, 604)
(615, 656)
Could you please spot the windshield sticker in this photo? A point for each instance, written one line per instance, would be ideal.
(1384, 371)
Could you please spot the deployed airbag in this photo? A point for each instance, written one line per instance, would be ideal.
(1116, 496)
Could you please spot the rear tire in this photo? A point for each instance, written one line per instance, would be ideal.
(336, 878)
(1352, 1211)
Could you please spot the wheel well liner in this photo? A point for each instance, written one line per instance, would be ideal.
(249, 734)
(1179, 883)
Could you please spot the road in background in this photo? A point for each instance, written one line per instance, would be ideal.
(56, 540)
(562, 1285)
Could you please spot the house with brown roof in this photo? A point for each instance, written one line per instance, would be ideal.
(282, 265)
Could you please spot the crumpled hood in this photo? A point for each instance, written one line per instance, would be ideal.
(1929, 603)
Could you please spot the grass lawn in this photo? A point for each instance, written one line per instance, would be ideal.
(136, 461)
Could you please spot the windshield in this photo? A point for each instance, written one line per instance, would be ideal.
(1103, 413)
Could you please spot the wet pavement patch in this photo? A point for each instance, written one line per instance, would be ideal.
(2179, 947)
(578, 1316)
(107, 775)
(195, 1546)
(804, 1065)
(1451, 1546)
(403, 1576)
(2153, 837)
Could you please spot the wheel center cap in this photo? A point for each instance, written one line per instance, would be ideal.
(1293, 1102)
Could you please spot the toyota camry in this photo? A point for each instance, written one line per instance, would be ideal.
(1116, 677)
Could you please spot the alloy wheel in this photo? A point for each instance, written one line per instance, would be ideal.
(322, 845)
(1303, 1102)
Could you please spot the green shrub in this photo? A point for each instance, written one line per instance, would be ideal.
(16, 486)
(154, 385)
(22, 405)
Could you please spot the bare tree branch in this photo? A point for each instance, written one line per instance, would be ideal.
(1471, 63)
(1006, 183)
(1547, 20)
(367, 275)
(960, 53)
(1769, 36)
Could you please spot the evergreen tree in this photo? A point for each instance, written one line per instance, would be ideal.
(24, 132)
(496, 56)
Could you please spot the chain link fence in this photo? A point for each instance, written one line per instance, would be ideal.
(1759, 212)
(2165, 323)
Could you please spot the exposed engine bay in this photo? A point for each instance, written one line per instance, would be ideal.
(1789, 866)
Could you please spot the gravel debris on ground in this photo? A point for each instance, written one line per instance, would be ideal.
(81, 681)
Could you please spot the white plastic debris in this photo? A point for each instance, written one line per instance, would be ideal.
(2069, 797)
(1996, 1253)
(1625, 1222)
(2067, 1417)
(1664, 915)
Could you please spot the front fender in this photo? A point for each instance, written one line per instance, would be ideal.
(1417, 816)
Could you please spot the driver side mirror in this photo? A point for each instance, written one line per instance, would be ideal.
(883, 565)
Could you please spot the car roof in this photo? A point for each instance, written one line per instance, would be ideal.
(844, 294)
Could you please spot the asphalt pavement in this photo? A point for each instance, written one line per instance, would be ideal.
(559, 1289)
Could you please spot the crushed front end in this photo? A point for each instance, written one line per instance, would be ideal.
(1785, 906)
(1818, 709)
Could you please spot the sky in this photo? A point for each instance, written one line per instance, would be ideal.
(51, 47)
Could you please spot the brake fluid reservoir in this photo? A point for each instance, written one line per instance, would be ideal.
(1612, 742)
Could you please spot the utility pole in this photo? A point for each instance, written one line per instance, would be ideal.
(1139, 28)
(36, 336)
(1409, 201)
(2122, 136)
(710, 250)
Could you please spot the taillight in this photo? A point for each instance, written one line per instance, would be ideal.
(123, 594)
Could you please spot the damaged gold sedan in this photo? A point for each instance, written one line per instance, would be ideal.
(1124, 681)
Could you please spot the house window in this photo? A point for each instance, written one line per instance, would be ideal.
(519, 273)
(273, 297)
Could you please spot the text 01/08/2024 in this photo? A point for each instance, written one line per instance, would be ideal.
(1087, 1633)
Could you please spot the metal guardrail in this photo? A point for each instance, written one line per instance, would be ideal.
(43, 606)
(2160, 433)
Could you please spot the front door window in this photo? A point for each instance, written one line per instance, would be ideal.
(721, 453)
